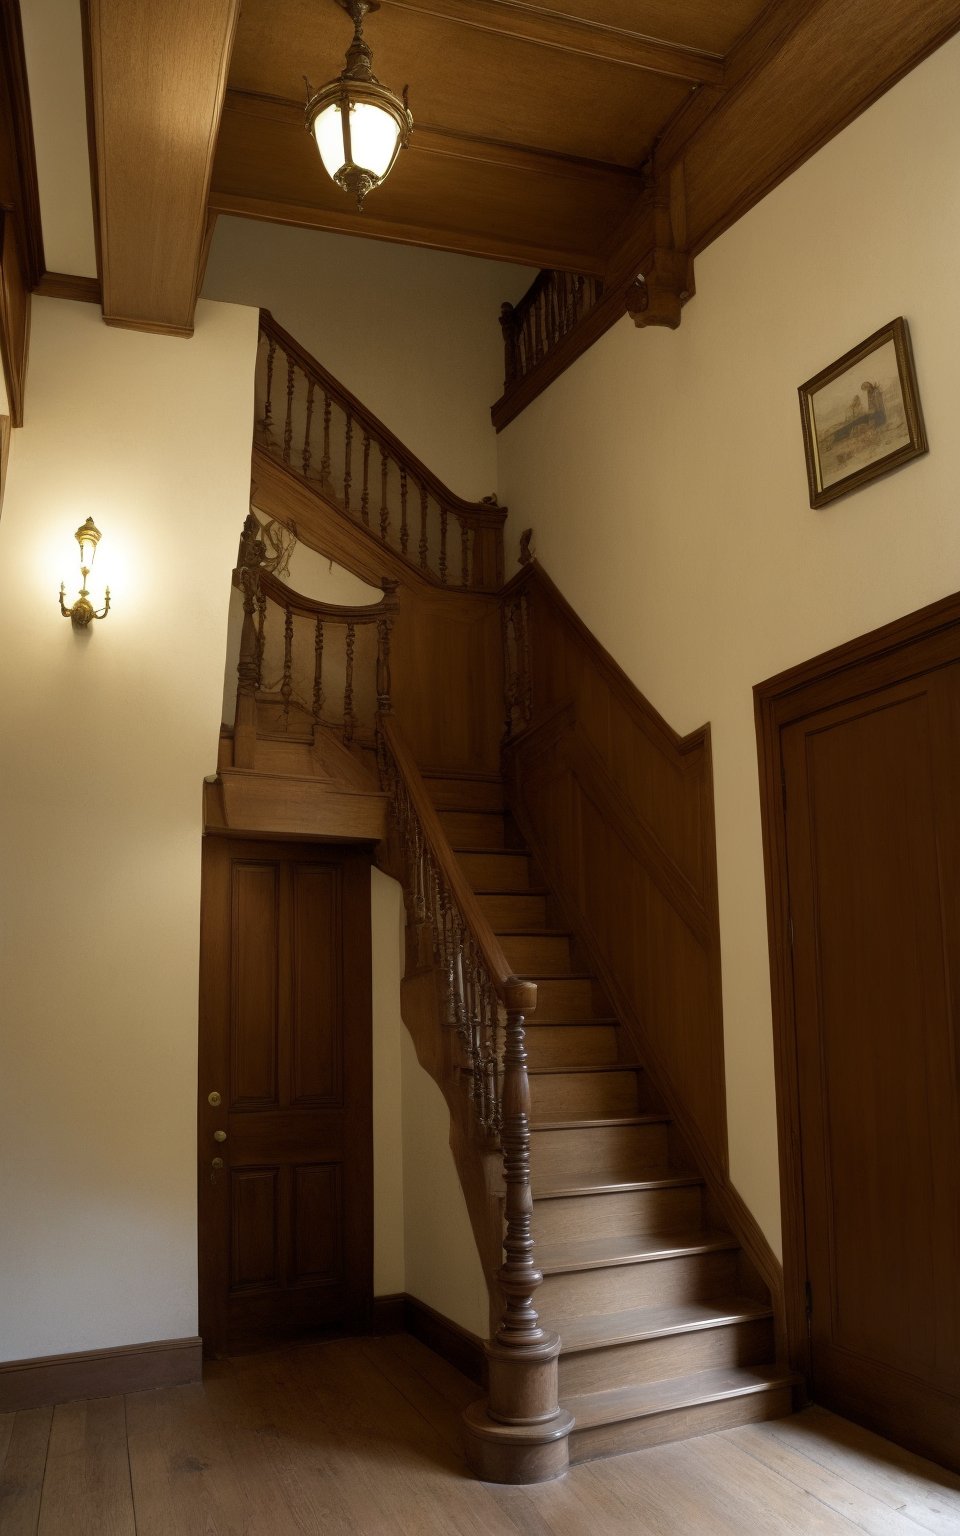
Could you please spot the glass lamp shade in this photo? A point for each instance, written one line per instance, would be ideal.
(360, 127)
(88, 537)
(370, 143)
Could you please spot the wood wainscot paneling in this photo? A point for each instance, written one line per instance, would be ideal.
(98, 1373)
(619, 811)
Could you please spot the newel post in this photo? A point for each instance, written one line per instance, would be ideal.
(508, 327)
(252, 554)
(519, 1433)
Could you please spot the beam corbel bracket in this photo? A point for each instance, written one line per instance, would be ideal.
(661, 288)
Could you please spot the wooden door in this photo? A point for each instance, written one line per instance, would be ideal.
(872, 812)
(285, 1156)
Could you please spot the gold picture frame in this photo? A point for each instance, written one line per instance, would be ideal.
(861, 416)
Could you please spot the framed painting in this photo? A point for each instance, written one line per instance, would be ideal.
(861, 416)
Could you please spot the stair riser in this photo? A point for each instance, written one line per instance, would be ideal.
(584, 1095)
(563, 1002)
(634, 1210)
(596, 1153)
(514, 911)
(285, 757)
(474, 829)
(680, 1424)
(533, 955)
(678, 1354)
(496, 872)
(465, 794)
(577, 1045)
(615, 1288)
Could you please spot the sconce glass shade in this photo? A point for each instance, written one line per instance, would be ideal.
(359, 125)
(88, 537)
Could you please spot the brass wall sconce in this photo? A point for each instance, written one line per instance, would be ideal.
(88, 537)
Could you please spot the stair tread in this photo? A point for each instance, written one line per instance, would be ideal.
(670, 1179)
(634, 1402)
(534, 1020)
(533, 933)
(528, 890)
(656, 1322)
(655, 1117)
(601, 1252)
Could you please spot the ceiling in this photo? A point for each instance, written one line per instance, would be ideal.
(605, 136)
(532, 125)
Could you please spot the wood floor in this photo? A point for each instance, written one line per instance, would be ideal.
(359, 1437)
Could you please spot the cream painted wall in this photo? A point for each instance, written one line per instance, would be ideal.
(413, 333)
(107, 738)
(442, 1262)
(664, 478)
(54, 53)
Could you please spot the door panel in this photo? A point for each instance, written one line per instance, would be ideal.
(285, 1039)
(871, 800)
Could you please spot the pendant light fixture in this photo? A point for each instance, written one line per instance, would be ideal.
(360, 126)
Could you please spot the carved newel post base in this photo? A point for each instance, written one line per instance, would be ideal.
(519, 1434)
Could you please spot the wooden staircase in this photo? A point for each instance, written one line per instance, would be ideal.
(666, 1331)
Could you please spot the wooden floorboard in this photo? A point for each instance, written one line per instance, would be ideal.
(360, 1437)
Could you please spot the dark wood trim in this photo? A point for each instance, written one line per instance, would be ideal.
(98, 1373)
(403, 1313)
(152, 327)
(457, 1345)
(14, 315)
(4, 454)
(30, 232)
(92, 156)
(67, 285)
(778, 701)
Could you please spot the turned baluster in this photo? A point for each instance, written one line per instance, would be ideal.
(443, 545)
(311, 387)
(384, 509)
(318, 670)
(288, 423)
(404, 531)
(261, 639)
(252, 552)
(365, 493)
(508, 327)
(464, 555)
(268, 402)
(286, 687)
(325, 461)
(519, 1276)
(349, 720)
(348, 453)
(423, 528)
(383, 664)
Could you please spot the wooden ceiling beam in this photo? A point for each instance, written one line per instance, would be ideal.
(462, 242)
(571, 34)
(159, 74)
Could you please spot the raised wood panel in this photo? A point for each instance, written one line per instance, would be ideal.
(158, 77)
(255, 998)
(317, 1222)
(619, 809)
(317, 1041)
(254, 1227)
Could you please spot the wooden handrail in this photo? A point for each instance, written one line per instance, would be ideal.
(513, 993)
(483, 514)
(309, 608)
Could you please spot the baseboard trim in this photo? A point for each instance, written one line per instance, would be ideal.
(402, 1313)
(98, 1373)
(67, 285)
